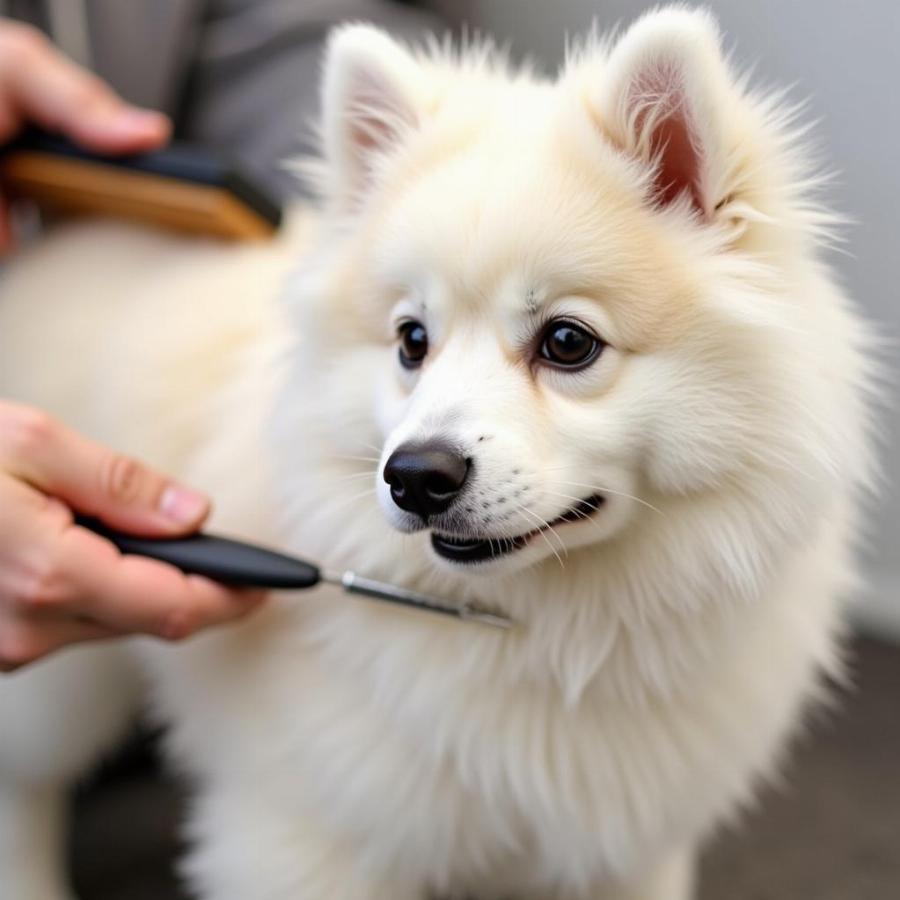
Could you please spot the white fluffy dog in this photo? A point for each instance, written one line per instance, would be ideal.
(563, 347)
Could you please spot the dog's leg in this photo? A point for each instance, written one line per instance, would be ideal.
(247, 845)
(55, 720)
(672, 879)
(32, 841)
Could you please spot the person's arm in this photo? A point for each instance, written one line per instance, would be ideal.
(61, 584)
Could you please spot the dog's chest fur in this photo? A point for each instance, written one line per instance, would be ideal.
(421, 745)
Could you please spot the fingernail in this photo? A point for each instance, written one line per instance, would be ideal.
(132, 120)
(181, 505)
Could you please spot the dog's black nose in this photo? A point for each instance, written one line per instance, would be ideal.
(425, 478)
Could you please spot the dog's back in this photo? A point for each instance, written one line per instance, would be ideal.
(128, 333)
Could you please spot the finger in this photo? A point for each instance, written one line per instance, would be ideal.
(25, 641)
(60, 570)
(132, 593)
(92, 478)
(30, 524)
(42, 85)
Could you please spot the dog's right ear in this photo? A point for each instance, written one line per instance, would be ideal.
(371, 100)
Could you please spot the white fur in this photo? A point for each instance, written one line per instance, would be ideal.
(343, 749)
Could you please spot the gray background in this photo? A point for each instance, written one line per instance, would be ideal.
(845, 58)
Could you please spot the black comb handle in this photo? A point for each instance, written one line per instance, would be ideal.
(232, 562)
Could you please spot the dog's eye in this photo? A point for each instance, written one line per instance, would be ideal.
(413, 343)
(568, 345)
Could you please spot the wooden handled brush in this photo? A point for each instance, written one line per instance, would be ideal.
(180, 186)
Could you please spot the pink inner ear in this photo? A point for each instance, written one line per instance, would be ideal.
(373, 116)
(377, 116)
(368, 133)
(671, 143)
(679, 162)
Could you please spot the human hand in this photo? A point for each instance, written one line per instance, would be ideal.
(61, 584)
(40, 85)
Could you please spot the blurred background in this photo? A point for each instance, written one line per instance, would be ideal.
(226, 69)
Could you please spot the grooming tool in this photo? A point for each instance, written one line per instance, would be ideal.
(241, 564)
(180, 186)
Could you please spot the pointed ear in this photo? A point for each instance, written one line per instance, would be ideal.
(661, 100)
(371, 99)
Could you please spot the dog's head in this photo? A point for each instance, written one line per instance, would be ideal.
(566, 300)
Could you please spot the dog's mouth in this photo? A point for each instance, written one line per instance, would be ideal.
(473, 550)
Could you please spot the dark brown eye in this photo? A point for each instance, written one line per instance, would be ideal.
(413, 343)
(568, 345)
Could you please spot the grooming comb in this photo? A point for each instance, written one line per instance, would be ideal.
(247, 565)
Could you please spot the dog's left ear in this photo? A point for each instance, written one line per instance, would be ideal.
(371, 100)
(660, 99)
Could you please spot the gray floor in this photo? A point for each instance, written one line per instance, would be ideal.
(831, 833)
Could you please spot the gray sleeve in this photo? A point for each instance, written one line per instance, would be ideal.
(252, 86)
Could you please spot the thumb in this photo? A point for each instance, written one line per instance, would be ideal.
(95, 480)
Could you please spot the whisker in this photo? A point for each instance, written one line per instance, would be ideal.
(565, 496)
(347, 501)
(360, 458)
(542, 530)
(577, 512)
(605, 490)
(354, 475)
(600, 489)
